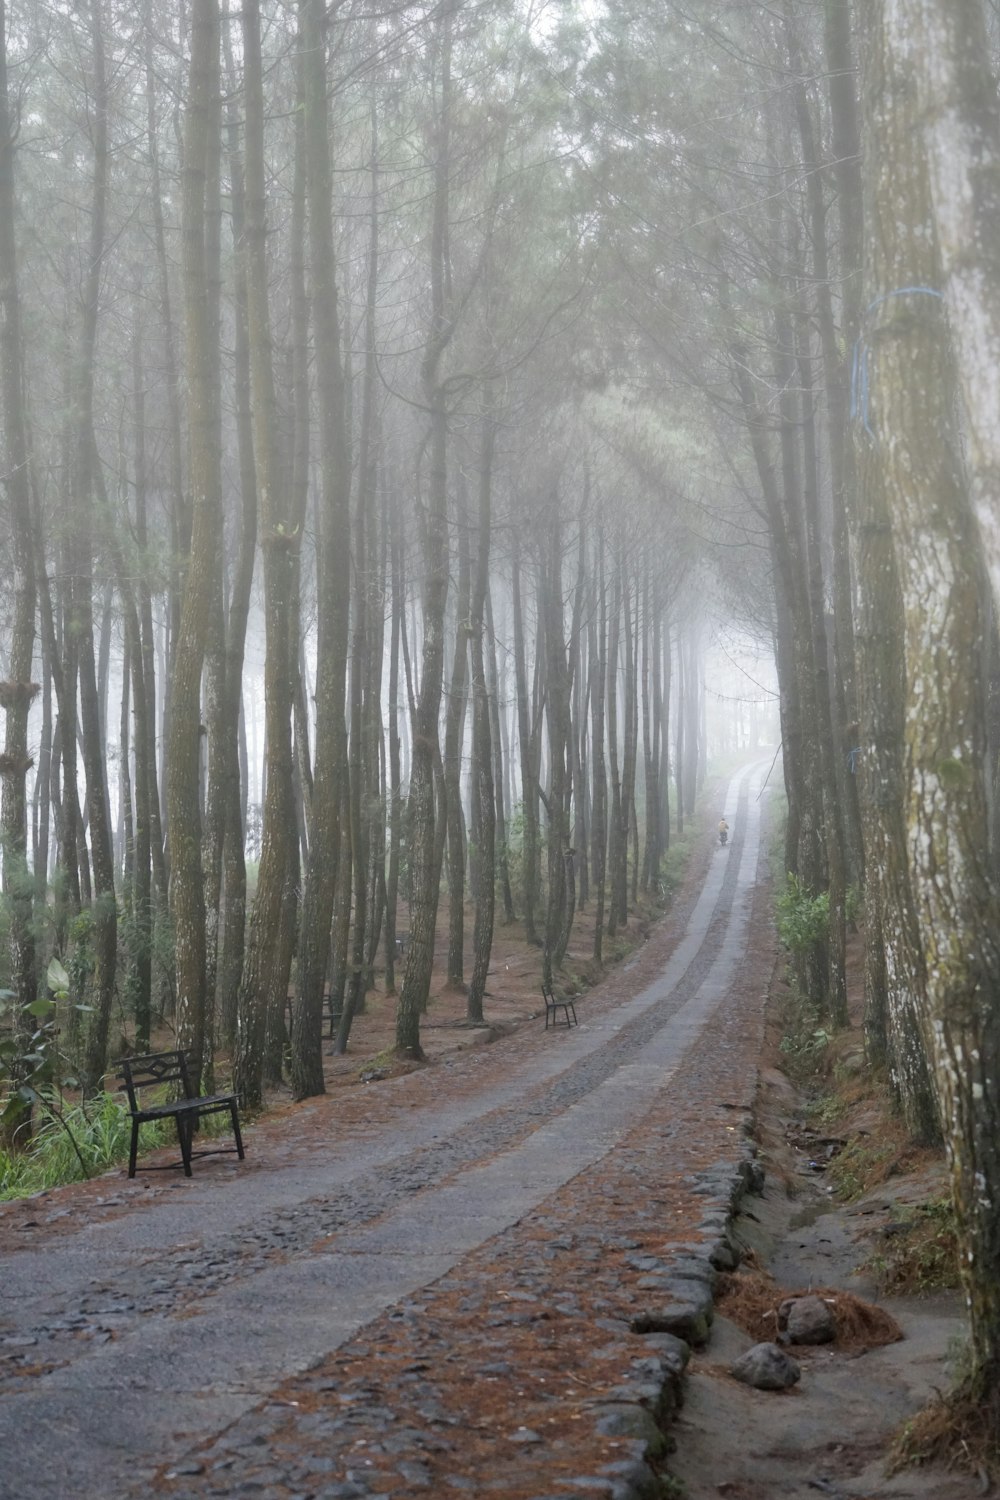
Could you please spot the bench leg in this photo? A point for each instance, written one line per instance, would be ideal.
(133, 1148)
(185, 1126)
(236, 1132)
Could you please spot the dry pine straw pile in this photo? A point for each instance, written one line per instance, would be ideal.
(751, 1298)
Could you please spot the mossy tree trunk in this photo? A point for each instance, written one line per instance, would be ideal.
(914, 454)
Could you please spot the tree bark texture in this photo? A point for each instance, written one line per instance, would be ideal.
(264, 987)
(908, 420)
(187, 890)
(325, 852)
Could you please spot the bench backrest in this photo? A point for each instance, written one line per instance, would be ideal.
(155, 1068)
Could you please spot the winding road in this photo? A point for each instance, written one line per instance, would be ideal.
(129, 1344)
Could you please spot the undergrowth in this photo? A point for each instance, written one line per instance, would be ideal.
(804, 1038)
(85, 1140)
(672, 868)
(101, 1131)
(862, 1163)
(960, 1430)
(918, 1251)
(803, 920)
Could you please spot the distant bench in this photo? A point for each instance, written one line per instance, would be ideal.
(553, 1005)
(158, 1069)
(329, 1014)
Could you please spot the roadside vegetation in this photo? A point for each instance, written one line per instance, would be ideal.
(853, 1122)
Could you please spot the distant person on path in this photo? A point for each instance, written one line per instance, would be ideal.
(723, 830)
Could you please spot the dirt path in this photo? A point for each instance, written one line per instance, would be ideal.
(830, 1435)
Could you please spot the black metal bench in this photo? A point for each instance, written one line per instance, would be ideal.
(552, 1005)
(329, 1015)
(159, 1069)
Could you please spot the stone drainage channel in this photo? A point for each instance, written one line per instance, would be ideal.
(107, 1376)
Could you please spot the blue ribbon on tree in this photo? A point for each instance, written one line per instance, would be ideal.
(860, 388)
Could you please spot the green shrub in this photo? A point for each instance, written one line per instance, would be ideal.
(673, 867)
(803, 920)
(806, 1043)
(852, 905)
(921, 1254)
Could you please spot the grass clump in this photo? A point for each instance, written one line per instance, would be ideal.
(84, 1140)
(859, 1166)
(960, 1430)
(805, 1040)
(825, 1109)
(672, 869)
(918, 1251)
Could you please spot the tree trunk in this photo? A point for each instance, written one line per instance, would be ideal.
(617, 832)
(557, 709)
(503, 861)
(598, 822)
(325, 851)
(179, 515)
(420, 955)
(453, 742)
(576, 722)
(183, 785)
(833, 822)
(915, 455)
(234, 874)
(18, 691)
(529, 765)
(395, 790)
(484, 827)
(960, 126)
(85, 481)
(264, 988)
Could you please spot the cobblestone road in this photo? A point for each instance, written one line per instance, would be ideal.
(322, 1325)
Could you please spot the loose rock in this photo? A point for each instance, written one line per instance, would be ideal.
(766, 1367)
(807, 1320)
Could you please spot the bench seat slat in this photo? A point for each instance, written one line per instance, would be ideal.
(186, 1107)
